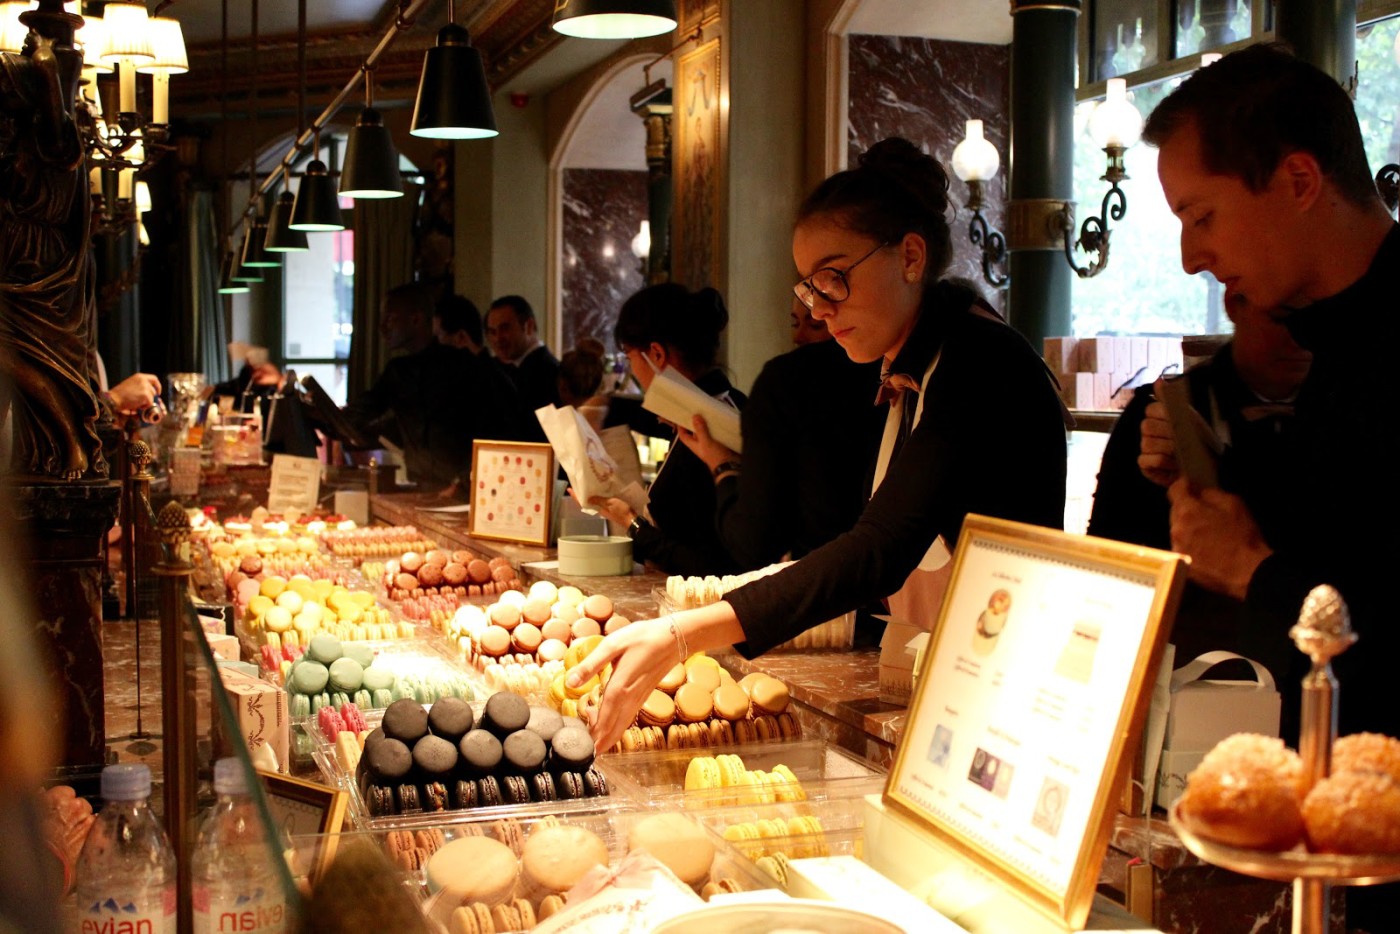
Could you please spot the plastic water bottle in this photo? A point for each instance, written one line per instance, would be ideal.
(126, 871)
(236, 888)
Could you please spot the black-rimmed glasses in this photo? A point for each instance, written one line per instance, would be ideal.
(829, 283)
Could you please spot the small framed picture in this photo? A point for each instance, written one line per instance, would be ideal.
(1030, 702)
(512, 491)
(302, 809)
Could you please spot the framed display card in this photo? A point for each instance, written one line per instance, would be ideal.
(512, 491)
(1030, 701)
(300, 808)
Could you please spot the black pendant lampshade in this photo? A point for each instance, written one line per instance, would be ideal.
(242, 273)
(227, 284)
(371, 168)
(255, 255)
(317, 206)
(614, 19)
(281, 238)
(454, 101)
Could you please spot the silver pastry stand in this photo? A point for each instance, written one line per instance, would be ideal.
(1323, 632)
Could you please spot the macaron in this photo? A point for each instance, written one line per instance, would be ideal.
(660, 710)
(525, 752)
(551, 650)
(595, 784)
(598, 607)
(474, 869)
(555, 628)
(309, 677)
(731, 702)
(505, 615)
(526, 638)
(584, 626)
(678, 843)
(488, 792)
(434, 756)
(769, 695)
(536, 612)
(694, 702)
(673, 679)
(567, 613)
(324, 649)
(556, 857)
(359, 652)
(346, 675)
(505, 713)
(481, 752)
(544, 722)
(463, 793)
(387, 762)
(569, 785)
(494, 641)
(703, 676)
(614, 623)
(515, 790)
(573, 750)
(702, 773)
(406, 721)
(451, 718)
(543, 788)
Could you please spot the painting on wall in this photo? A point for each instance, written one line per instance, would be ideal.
(692, 12)
(698, 161)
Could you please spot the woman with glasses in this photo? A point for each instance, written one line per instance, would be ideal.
(973, 425)
(669, 326)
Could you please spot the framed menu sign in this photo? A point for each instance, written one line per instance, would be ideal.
(512, 491)
(1030, 701)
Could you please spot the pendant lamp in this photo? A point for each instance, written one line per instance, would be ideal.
(281, 238)
(371, 167)
(243, 273)
(227, 284)
(454, 101)
(614, 19)
(255, 255)
(317, 206)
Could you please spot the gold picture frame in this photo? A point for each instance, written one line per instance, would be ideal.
(691, 13)
(697, 120)
(303, 809)
(1031, 698)
(512, 491)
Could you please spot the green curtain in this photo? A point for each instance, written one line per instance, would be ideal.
(384, 254)
(203, 324)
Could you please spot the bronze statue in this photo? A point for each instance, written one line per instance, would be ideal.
(48, 328)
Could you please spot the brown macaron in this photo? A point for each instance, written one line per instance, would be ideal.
(657, 710)
(527, 638)
(731, 702)
(677, 736)
(704, 676)
(478, 571)
(769, 695)
(555, 628)
(767, 728)
(694, 703)
(598, 607)
(494, 641)
(550, 905)
(673, 679)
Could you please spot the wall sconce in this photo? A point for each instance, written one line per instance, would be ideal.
(975, 161)
(614, 19)
(641, 245)
(1115, 126)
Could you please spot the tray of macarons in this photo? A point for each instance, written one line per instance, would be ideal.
(790, 829)
(512, 873)
(418, 764)
(740, 775)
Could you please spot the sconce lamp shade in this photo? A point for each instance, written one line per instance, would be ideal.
(281, 238)
(1115, 121)
(167, 47)
(143, 197)
(255, 255)
(614, 19)
(641, 243)
(317, 206)
(92, 36)
(975, 159)
(454, 101)
(242, 273)
(371, 168)
(227, 284)
(12, 31)
(128, 33)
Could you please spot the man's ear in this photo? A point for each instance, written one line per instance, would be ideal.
(1302, 178)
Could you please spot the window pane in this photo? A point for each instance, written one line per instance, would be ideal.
(332, 377)
(1378, 91)
(1125, 36)
(318, 298)
(1202, 25)
(1143, 290)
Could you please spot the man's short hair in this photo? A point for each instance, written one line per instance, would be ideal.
(1256, 106)
(412, 297)
(518, 304)
(459, 313)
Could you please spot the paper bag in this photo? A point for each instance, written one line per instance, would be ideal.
(595, 465)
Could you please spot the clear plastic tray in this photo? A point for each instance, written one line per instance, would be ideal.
(313, 852)
(423, 659)
(825, 771)
(323, 753)
(842, 833)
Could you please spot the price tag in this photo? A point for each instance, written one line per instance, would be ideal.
(296, 484)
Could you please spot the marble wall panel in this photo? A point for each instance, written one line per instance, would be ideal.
(926, 90)
(603, 209)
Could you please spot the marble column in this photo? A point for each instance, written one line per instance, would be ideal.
(67, 525)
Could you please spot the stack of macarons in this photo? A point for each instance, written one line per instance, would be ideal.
(724, 779)
(796, 837)
(376, 541)
(534, 628)
(446, 757)
(333, 673)
(414, 575)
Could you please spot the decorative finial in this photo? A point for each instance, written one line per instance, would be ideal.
(173, 524)
(1323, 630)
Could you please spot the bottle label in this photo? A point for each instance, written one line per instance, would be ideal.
(258, 912)
(122, 915)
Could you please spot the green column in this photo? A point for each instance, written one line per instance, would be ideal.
(1323, 33)
(1041, 163)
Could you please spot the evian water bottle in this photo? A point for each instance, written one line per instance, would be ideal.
(235, 886)
(126, 871)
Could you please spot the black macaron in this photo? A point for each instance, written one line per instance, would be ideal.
(575, 721)
(435, 756)
(450, 718)
(387, 762)
(488, 791)
(464, 793)
(544, 722)
(524, 752)
(481, 752)
(434, 796)
(542, 783)
(569, 785)
(594, 784)
(380, 800)
(409, 800)
(573, 750)
(505, 713)
(406, 721)
(516, 789)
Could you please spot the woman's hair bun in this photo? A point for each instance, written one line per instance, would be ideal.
(906, 163)
(708, 311)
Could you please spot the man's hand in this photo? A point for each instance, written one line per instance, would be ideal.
(1157, 453)
(135, 394)
(618, 512)
(1217, 532)
(710, 451)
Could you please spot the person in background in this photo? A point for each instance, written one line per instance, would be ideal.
(132, 396)
(870, 245)
(1246, 394)
(513, 334)
(581, 373)
(669, 326)
(805, 328)
(431, 399)
(457, 323)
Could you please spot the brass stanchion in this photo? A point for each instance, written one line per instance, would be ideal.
(177, 699)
